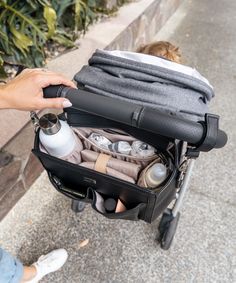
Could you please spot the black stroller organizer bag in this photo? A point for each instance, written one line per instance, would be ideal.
(82, 183)
(95, 107)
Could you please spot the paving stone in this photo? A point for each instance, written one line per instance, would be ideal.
(22, 143)
(8, 176)
(11, 122)
(32, 170)
(145, 26)
(10, 198)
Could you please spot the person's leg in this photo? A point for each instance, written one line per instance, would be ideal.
(46, 264)
(11, 269)
(29, 273)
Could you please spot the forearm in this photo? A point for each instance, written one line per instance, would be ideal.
(25, 91)
(4, 103)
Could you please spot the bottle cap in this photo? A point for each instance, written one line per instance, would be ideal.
(49, 123)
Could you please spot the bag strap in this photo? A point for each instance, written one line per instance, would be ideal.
(101, 163)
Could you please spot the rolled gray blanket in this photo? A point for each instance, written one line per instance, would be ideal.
(185, 93)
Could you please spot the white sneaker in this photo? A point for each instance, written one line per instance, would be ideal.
(49, 263)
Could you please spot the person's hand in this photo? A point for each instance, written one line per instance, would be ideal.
(25, 92)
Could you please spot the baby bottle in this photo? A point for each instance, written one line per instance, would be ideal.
(155, 175)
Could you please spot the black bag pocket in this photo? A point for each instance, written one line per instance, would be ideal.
(80, 194)
(81, 183)
(75, 182)
(129, 214)
(90, 195)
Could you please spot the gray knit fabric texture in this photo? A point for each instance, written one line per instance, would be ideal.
(146, 84)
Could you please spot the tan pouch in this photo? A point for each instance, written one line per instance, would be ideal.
(109, 171)
(124, 167)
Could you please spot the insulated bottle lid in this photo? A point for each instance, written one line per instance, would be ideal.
(49, 123)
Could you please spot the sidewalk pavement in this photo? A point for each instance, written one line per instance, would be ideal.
(123, 251)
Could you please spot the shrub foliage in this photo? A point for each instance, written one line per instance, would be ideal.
(27, 27)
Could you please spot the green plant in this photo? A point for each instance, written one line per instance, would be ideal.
(75, 15)
(28, 27)
(24, 29)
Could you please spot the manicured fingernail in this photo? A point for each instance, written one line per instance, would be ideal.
(66, 103)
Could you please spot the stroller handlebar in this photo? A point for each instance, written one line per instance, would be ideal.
(142, 117)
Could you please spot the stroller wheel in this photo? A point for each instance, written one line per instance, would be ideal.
(77, 206)
(167, 229)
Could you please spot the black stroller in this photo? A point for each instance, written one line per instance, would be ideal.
(156, 101)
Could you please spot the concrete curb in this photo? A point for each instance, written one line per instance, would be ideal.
(135, 23)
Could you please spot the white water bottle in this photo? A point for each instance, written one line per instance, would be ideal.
(155, 175)
(56, 136)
